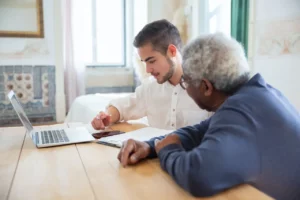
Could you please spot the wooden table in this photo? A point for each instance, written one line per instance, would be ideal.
(87, 171)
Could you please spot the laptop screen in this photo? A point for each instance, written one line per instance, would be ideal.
(20, 111)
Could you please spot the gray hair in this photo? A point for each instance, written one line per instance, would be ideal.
(217, 58)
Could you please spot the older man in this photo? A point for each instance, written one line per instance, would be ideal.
(253, 137)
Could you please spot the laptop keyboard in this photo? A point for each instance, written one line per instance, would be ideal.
(54, 136)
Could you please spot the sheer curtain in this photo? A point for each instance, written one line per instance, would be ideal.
(77, 46)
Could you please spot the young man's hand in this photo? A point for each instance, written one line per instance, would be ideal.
(169, 139)
(133, 151)
(101, 120)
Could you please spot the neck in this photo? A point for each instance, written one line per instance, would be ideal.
(220, 99)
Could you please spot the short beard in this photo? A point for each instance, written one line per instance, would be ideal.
(169, 73)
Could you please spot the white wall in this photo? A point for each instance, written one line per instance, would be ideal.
(40, 51)
(155, 10)
(9, 47)
(274, 44)
(203, 16)
(176, 11)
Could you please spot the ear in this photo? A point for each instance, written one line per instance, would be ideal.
(208, 87)
(172, 50)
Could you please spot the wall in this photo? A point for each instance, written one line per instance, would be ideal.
(31, 51)
(109, 80)
(176, 11)
(27, 56)
(193, 17)
(274, 44)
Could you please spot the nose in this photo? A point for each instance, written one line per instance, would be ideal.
(148, 69)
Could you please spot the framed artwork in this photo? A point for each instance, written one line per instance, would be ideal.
(21, 18)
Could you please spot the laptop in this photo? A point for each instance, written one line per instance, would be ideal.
(50, 136)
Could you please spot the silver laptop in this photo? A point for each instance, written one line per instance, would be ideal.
(50, 136)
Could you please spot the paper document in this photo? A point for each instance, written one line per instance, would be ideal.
(90, 128)
(142, 134)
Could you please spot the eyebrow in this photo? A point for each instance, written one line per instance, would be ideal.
(148, 58)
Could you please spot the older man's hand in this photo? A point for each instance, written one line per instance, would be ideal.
(133, 151)
(169, 139)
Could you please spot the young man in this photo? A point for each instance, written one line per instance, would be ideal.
(253, 137)
(161, 99)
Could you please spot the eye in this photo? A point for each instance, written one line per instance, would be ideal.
(152, 61)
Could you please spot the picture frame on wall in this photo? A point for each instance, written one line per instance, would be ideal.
(21, 18)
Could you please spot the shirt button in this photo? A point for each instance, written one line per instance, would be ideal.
(174, 110)
(173, 125)
(175, 93)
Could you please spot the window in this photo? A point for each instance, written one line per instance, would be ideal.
(99, 31)
(219, 16)
(109, 32)
(103, 30)
(210, 16)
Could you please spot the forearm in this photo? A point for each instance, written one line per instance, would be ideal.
(152, 146)
(191, 136)
(190, 172)
(185, 171)
(201, 171)
(114, 114)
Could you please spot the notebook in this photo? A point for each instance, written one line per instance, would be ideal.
(142, 134)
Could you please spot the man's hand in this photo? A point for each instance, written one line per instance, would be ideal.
(133, 151)
(101, 120)
(169, 139)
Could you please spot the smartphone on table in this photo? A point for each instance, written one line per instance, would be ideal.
(106, 134)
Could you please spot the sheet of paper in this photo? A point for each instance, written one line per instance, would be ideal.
(90, 128)
(142, 134)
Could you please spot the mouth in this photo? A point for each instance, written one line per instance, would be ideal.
(155, 75)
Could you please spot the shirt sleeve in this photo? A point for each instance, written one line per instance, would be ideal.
(132, 106)
(227, 156)
(190, 137)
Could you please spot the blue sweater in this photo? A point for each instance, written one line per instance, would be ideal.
(253, 138)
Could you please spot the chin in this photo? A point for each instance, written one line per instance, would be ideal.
(203, 107)
(160, 81)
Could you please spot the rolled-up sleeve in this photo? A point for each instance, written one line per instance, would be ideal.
(132, 106)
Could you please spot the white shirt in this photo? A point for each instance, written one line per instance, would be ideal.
(166, 106)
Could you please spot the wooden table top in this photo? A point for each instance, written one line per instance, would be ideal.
(87, 171)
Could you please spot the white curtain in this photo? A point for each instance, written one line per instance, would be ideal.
(77, 46)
